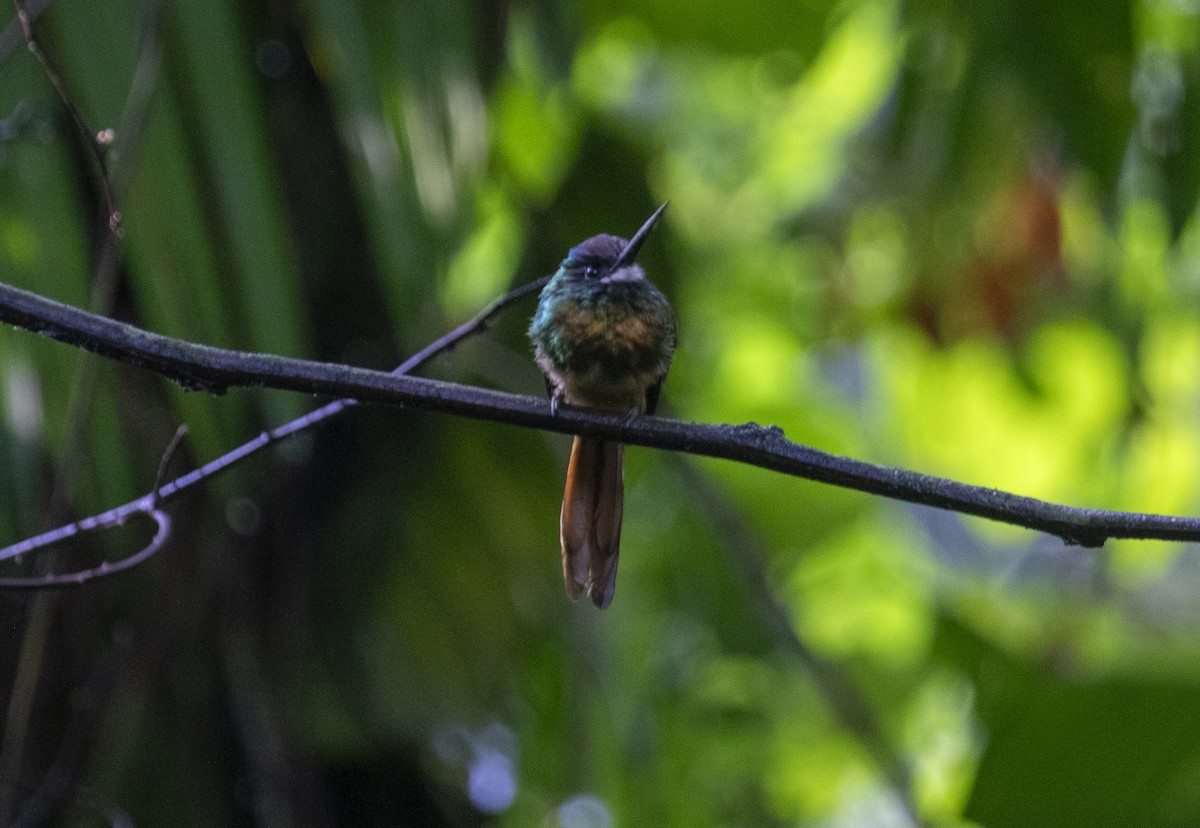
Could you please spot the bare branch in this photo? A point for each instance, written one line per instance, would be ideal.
(106, 568)
(11, 37)
(97, 142)
(165, 462)
(149, 504)
(215, 369)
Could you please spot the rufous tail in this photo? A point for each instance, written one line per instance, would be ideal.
(593, 502)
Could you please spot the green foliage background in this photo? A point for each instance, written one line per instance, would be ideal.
(958, 237)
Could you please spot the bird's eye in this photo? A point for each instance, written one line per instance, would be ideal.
(590, 272)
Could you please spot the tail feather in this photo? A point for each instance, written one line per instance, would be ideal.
(593, 503)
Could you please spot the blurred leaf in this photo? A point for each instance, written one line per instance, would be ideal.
(1092, 752)
(768, 25)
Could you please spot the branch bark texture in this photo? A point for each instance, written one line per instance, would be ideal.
(203, 367)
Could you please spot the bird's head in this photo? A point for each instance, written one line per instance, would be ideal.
(606, 258)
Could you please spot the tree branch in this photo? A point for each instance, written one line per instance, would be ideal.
(216, 369)
(148, 504)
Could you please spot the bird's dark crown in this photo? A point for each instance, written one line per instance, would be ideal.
(594, 258)
(602, 255)
(598, 251)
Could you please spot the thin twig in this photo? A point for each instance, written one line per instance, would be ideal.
(36, 635)
(149, 503)
(215, 369)
(11, 36)
(168, 454)
(97, 142)
(105, 568)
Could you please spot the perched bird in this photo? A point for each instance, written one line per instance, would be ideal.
(603, 336)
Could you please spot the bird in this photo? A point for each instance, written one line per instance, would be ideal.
(603, 336)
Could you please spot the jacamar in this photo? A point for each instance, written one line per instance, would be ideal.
(603, 336)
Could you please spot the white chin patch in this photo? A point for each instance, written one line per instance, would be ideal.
(629, 273)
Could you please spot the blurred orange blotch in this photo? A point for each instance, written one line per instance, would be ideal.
(1018, 260)
(1012, 266)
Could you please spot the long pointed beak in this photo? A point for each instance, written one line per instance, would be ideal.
(629, 254)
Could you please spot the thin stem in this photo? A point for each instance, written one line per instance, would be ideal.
(97, 143)
(149, 503)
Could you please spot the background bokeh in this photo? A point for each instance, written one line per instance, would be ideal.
(956, 237)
